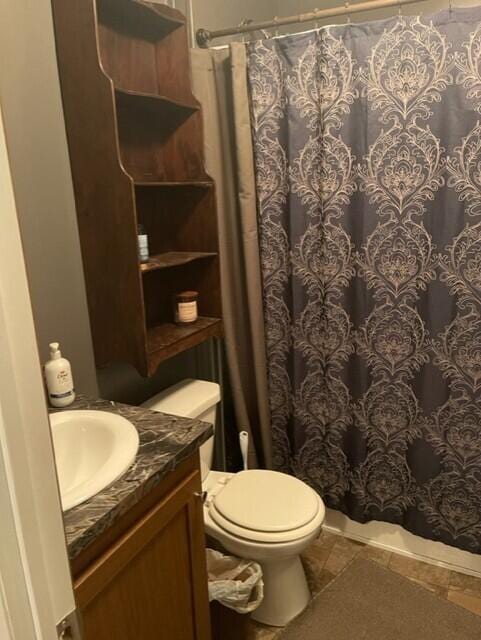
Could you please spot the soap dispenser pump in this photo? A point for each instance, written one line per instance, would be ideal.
(58, 376)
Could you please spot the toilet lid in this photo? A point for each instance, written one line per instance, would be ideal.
(266, 501)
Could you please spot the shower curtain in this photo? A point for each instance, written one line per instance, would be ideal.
(219, 80)
(367, 143)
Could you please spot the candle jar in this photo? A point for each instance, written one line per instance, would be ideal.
(186, 307)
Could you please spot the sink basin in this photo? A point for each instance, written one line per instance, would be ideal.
(92, 450)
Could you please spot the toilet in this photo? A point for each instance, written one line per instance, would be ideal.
(261, 515)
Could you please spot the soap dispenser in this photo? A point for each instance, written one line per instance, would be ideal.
(58, 376)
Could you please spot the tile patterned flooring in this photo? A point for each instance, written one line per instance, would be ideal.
(330, 554)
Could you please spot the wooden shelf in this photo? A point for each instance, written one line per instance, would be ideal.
(162, 105)
(161, 12)
(174, 259)
(196, 184)
(160, 148)
(168, 339)
(154, 21)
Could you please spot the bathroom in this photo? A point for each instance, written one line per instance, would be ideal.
(308, 188)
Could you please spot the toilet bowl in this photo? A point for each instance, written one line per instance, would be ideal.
(271, 518)
(260, 515)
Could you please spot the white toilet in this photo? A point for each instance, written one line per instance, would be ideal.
(265, 516)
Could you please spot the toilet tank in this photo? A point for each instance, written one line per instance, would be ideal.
(191, 399)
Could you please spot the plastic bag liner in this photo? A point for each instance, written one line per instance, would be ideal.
(234, 582)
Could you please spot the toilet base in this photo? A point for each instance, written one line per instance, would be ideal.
(286, 593)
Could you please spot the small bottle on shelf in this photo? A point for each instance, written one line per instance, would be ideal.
(143, 242)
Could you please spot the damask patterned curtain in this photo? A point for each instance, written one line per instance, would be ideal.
(367, 142)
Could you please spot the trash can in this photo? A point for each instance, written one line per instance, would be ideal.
(235, 589)
(234, 582)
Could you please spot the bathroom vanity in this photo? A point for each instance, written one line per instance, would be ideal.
(137, 548)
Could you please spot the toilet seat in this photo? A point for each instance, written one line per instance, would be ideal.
(266, 506)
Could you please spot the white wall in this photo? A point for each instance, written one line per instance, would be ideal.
(35, 131)
(217, 14)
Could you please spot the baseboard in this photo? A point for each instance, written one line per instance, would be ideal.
(394, 538)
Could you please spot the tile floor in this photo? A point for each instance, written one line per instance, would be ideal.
(330, 554)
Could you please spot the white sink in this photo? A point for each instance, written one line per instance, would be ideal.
(92, 450)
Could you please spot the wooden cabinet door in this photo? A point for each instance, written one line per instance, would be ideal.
(152, 584)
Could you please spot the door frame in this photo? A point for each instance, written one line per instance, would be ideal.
(35, 583)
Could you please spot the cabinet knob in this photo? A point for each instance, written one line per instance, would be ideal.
(201, 495)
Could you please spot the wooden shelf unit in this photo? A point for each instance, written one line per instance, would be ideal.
(136, 149)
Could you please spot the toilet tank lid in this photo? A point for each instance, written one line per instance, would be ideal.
(188, 398)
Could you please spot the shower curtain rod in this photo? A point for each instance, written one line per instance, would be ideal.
(204, 36)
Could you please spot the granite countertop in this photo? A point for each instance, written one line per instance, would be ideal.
(165, 441)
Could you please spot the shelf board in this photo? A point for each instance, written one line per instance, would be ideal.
(197, 184)
(168, 339)
(154, 102)
(139, 18)
(173, 259)
(162, 12)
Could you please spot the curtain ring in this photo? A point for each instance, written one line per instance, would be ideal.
(276, 30)
(348, 12)
(244, 23)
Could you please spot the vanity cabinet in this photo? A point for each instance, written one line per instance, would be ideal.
(145, 579)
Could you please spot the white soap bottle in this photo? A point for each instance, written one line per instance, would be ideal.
(58, 376)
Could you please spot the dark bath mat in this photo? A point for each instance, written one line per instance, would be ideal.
(368, 602)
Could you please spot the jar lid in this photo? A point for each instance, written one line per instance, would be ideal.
(187, 296)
